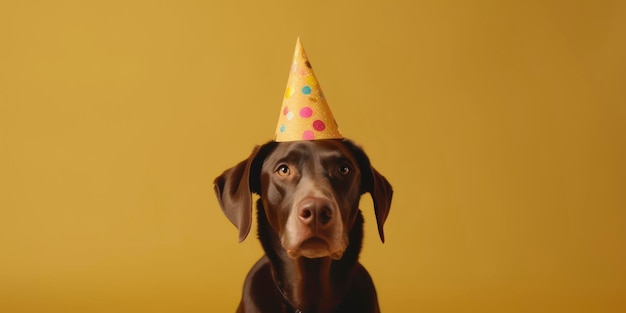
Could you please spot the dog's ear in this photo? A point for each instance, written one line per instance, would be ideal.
(381, 192)
(234, 190)
(374, 183)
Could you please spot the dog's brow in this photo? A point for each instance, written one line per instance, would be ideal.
(293, 156)
(333, 155)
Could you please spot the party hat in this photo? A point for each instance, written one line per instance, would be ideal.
(305, 115)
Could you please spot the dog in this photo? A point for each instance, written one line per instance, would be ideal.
(309, 224)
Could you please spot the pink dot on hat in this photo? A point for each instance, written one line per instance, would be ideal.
(319, 125)
(308, 135)
(306, 112)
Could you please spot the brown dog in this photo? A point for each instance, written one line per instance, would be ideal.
(309, 224)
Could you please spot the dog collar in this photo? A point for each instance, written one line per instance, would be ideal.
(287, 301)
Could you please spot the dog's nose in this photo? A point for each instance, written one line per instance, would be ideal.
(315, 210)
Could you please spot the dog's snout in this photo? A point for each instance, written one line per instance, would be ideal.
(315, 210)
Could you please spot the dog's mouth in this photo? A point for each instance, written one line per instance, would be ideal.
(314, 247)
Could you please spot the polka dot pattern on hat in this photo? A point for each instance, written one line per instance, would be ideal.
(305, 113)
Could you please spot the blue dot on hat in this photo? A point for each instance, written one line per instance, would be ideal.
(306, 90)
(282, 128)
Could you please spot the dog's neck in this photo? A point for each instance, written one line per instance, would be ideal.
(309, 285)
(302, 288)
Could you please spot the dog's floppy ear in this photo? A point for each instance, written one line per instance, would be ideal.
(374, 183)
(234, 190)
(381, 192)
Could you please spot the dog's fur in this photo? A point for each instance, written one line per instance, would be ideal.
(309, 224)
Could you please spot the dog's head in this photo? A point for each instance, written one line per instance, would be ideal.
(310, 191)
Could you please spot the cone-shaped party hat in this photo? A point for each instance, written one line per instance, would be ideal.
(305, 115)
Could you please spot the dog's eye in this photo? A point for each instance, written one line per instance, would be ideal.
(283, 170)
(344, 170)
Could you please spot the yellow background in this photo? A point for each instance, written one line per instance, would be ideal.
(500, 125)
